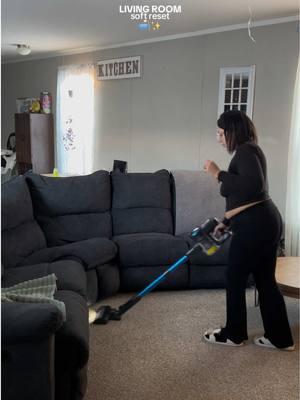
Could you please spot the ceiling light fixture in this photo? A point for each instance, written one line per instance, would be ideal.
(23, 49)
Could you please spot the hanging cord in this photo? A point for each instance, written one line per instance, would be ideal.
(250, 25)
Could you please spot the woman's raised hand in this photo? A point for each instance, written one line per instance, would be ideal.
(212, 168)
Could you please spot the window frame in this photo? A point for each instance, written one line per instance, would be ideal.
(250, 70)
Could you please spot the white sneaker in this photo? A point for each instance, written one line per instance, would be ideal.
(214, 336)
(265, 342)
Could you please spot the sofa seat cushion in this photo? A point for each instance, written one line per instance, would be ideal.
(90, 252)
(200, 258)
(70, 275)
(64, 229)
(149, 249)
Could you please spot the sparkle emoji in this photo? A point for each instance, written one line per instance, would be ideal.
(156, 26)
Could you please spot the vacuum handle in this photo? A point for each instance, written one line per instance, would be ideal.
(130, 303)
(157, 281)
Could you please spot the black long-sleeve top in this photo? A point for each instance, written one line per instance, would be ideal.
(246, 180)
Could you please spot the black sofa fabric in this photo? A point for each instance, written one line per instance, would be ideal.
(27, 336)
(74, 214)
(21, 234)
(70, 275)
(149, 249)
(22, 238)
(98, 233)
(141, 203)
(143, 229)
(90, 252)
(72, 209)
(124, 223)
(114, 225)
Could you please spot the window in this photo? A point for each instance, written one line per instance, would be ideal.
(292, 213)
(236, 89)
(75, 119)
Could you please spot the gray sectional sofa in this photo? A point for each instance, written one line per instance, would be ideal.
(42, 356)
(99, 234)
(75, 217)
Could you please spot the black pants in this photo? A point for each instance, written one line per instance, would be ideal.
(256, 233)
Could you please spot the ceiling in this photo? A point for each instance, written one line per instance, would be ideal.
(54, 27)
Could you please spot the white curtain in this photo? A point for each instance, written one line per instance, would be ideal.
(292, 223)
(75, 119)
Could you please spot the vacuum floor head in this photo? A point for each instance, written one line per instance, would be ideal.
(105, 314)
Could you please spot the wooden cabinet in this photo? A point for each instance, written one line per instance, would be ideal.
(34, 143)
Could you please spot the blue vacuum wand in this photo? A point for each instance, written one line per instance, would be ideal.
(205, 239)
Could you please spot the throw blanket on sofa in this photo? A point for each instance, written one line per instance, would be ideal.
(40, 290)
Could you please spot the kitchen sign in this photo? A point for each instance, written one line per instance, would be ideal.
(119, 68)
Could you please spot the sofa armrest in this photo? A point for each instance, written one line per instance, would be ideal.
(27, 353)
(27, 322)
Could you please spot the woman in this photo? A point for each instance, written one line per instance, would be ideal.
(256, 225)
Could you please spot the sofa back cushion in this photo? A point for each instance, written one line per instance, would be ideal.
(73, 208)
(196, 198)
(141, 203)
(21, 234)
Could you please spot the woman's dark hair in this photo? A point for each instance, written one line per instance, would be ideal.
(238, 129)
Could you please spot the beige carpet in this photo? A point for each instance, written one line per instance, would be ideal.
(156, 353)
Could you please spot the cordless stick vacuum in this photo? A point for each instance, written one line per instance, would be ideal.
(205, 239)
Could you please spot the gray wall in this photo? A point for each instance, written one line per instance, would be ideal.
(167, 119)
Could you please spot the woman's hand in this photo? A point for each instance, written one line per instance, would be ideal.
(219, 230)
(212, 168)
